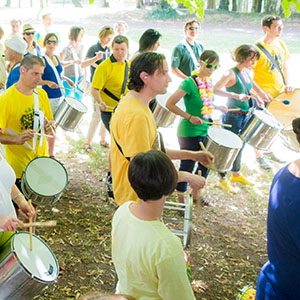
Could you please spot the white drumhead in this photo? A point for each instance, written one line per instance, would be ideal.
(225, 137)
(40, 262)
(267, 119)
(46, 176)
(76, 104)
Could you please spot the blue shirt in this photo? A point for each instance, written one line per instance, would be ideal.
(13, 76)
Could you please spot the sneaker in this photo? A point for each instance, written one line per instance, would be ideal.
(272, 156)
(242, 179)
(225, 185)
(263, 164)
(204, 201)
(109, 187)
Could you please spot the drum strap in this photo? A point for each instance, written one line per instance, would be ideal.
(243, 81)
(271, 58)
(38, 120)
(119, 147)
(192, 53)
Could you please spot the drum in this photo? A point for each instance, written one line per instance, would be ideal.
(261, 130)
(224, 145)
(247, 293)
(286, 113)
(44, 180)
(69, 113)
(24, 273)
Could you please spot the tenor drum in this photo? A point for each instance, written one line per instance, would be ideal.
(69, 113)
(44, 180)
(224, 145)
(24, 273)
(261, 130)
(286, 113)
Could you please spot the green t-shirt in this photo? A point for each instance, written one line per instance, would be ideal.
(193, 105)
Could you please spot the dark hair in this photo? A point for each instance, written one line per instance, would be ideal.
(50, 35)
(209, 56)
(30, 60)
(146, 62)
(241, 53)
(152, 175)
(191, 22)
(148, 39)
(268, 20)
(119, 39)
(74, 32)
(296, 128)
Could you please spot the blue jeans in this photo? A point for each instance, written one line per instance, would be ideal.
(106, 116)
(192, 144)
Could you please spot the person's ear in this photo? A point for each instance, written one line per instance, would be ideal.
(144, 76)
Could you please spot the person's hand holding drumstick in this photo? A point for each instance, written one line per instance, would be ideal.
(8, 223)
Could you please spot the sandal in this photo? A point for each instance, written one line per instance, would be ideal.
(104, 144)
(89, 148)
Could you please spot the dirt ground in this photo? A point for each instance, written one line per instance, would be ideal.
(228, 243)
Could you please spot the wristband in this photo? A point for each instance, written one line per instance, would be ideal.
(189, 117)
(18, 195)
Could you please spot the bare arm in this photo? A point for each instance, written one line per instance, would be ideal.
(178, 73)
(288, 88)
(26, 135)
(95, 93)
(91, 61)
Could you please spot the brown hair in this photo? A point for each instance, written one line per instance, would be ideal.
(268, 20)
(119, 39)
(241, 53)
(48, 36)
(191, 22)
(296, 128)
(105, 31)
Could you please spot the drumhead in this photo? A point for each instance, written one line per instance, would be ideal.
(268, 119)
(225, 137)
(40, 262)
(46, 176)
(76, 104)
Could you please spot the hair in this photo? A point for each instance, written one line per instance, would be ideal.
(1, 30)
(74, 32)
(146, 62)
(209, 56)
(296, 128)
(152, 175)
(268, 20)
(100, 296)
(191, 22)
(243, 52)
(119, 39)
(148, 39)
(50, 35)
(45, 15)
(15, 20)
(30, 60)
(105, 31)
(121, 23)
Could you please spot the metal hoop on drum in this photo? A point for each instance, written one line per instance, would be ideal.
(286, 113)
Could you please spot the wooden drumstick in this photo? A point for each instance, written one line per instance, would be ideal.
(45, 135)
(30, 228)
(72, 90)
(219, 124)
(233, 109)
(51, 128)
(41, 224)
(210, 164)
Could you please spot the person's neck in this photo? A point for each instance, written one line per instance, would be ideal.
(23, 88)
(294, 168)
(201, 76)
(50, 54)
(150, 210)
(241, 67)
(102, 45)
(191, 40)
(144, 96)
(74, 44)
(269, 39)
(15, 61)
(121, 61)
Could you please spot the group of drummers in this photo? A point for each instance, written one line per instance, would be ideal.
(28, 126)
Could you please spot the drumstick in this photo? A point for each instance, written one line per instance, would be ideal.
(51, 127)
(109, 107)
(233, 109)
(210, 164)
(30, 228)
(45, 135)
(72, 90)
(286, 102)
(220, 124)
(40, 224)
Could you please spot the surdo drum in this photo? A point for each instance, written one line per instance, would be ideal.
(69, 113)
(44, 180)
(224, 145)
(24, 273)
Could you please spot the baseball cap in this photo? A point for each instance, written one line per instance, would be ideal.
(17, 44)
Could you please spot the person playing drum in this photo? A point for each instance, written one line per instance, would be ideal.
(198, 99)
(279, 278)
(26, 119)
(238, 84)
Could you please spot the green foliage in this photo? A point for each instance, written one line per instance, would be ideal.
(164, 14)
(286, 5)
(194, 6)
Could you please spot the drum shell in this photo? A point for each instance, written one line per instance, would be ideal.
(67, 116)
(16, 283)
(290, 140)
(163, 117)
(259, 134)
(224, 156)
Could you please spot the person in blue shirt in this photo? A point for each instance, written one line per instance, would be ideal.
(279, 278)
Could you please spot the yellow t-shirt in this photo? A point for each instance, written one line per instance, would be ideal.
(134, 128)
(16, 114)
(266, 75)
(110, 75)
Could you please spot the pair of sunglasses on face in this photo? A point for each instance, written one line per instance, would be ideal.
(49, 42)
(193, 28)
(29, 33)
(210, 66)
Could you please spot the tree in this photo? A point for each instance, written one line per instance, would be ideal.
(224, 5)
(271, 6)
(211, 4)
(257, 6)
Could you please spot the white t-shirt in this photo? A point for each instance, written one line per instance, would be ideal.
(7, 180)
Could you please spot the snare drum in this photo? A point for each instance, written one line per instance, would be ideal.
(24, 273)
(69, 113)
(247, 293)
(44, 180)
(261, 130)
(224, 145)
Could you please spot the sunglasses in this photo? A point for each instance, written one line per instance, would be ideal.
(51, 42)
(210, 66)
(193, 28)
(29, 33)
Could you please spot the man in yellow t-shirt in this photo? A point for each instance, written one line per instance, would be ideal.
(133, 127)
(267, 75)
(17, 115)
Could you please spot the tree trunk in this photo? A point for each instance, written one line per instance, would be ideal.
(224, 5)
(140, 4)
(257, 6)
(271, 6)
(211, 4)
(164, 4)
(234, 5)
